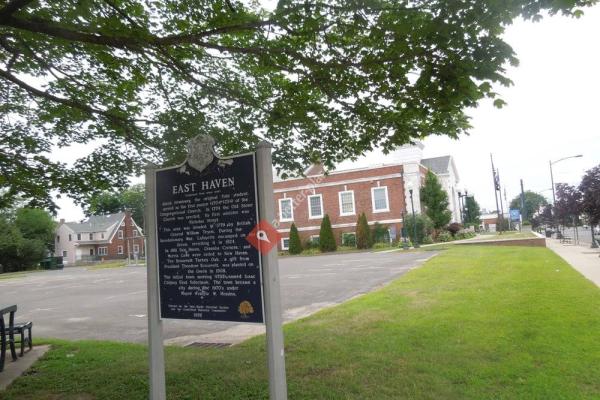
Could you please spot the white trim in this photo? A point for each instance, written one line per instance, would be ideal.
(119, 249)
(310, 215)
(342, 213)
(387, 199)
(343, 182)
(284, 247)
(291, 201)
(337, 172)
(346, 225)
(120, 234)
(114, 231)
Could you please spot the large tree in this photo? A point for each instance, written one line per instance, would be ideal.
(133, 199)
(435, 200)
(568, 203)
(533, 202)
(590, 189)
(472, 211)
(323, 79)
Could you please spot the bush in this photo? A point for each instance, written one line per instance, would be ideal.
(454, 228)
(295, 246)
(380, 233)
(424, 227)
(349, 239)
(427, 240)
(326, 238)
(311, 243)
(363, 233)
(444, 237)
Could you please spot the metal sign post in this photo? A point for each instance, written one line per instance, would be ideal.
(155, 338)
(270, 265)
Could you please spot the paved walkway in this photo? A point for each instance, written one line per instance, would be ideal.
(14, 369)
(582, 258)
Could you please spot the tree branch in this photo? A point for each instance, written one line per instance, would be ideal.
(12, 7)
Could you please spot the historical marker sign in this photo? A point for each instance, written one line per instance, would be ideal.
(207, 269)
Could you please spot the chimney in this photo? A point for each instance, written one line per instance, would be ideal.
(62, 221)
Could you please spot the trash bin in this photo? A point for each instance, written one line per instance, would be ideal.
(52, 263)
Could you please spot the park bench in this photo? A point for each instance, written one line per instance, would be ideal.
(7, 334)
(566, 239)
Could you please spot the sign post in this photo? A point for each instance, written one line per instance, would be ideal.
(275, 350)
(155, 339)
(210, 250)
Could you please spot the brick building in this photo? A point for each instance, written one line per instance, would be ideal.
(100, 237)
(380, 191)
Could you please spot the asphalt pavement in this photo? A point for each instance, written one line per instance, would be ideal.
(82, 303)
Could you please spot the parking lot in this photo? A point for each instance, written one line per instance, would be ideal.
(82, 303)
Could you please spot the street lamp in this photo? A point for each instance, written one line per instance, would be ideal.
(552, 175)
(412, 205)
(463, 205)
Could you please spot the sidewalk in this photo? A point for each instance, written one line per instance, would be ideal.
(582, 258)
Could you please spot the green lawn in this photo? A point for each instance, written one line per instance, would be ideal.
(505, 235)
(472, 323)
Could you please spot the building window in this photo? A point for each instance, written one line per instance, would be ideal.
(91, 236)
(136, 249)
(286, 210)
(57, 239)
(120, 234)
(379, 197)
(314, 240)
(64, 253)
(315, 206)
(136, 233)
(79, 236)
(119, 249)
(91, 252)
(102, 235)
(70, 238)
(123, 223)
(102, 251)
(349, 239)
(285, 243)
(347, 202)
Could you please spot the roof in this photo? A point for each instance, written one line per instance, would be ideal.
(96, 223)
(437, 165)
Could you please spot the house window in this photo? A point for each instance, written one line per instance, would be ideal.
(79, 236)
(102, 251)
(136, 249)
(123, 223)
(119, 249)
(285, 243)
(349, 239)
(64, 253)
(120, 234)
(91, 252)
(315, 206)
(102, 235)
(91, 236)
(379, 197)
(70, 238)
(314, 240)
(347, 202)
(135, 234)
(286, 210)
(57, 239)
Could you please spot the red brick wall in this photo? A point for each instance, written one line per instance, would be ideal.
(331, 205)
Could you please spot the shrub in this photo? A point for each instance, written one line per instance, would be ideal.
(380, 233)
(454, 228)
(326, 238)
(295, 246)
(424, 227)
(349, 239)
(382, 245)
(311, 243)
(427, 240)
(363, 233)
(444, 237)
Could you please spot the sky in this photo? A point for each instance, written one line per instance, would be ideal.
(553, 111)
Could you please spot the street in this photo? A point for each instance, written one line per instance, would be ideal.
(79, 303)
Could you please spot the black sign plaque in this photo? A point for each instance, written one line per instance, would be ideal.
(207, 269)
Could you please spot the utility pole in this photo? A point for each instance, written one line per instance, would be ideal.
(496, 188)
(523, 211)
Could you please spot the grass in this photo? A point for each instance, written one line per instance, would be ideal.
(10, 275)
(505, 235)
(472, 323)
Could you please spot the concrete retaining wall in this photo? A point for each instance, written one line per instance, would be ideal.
(528, 242)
